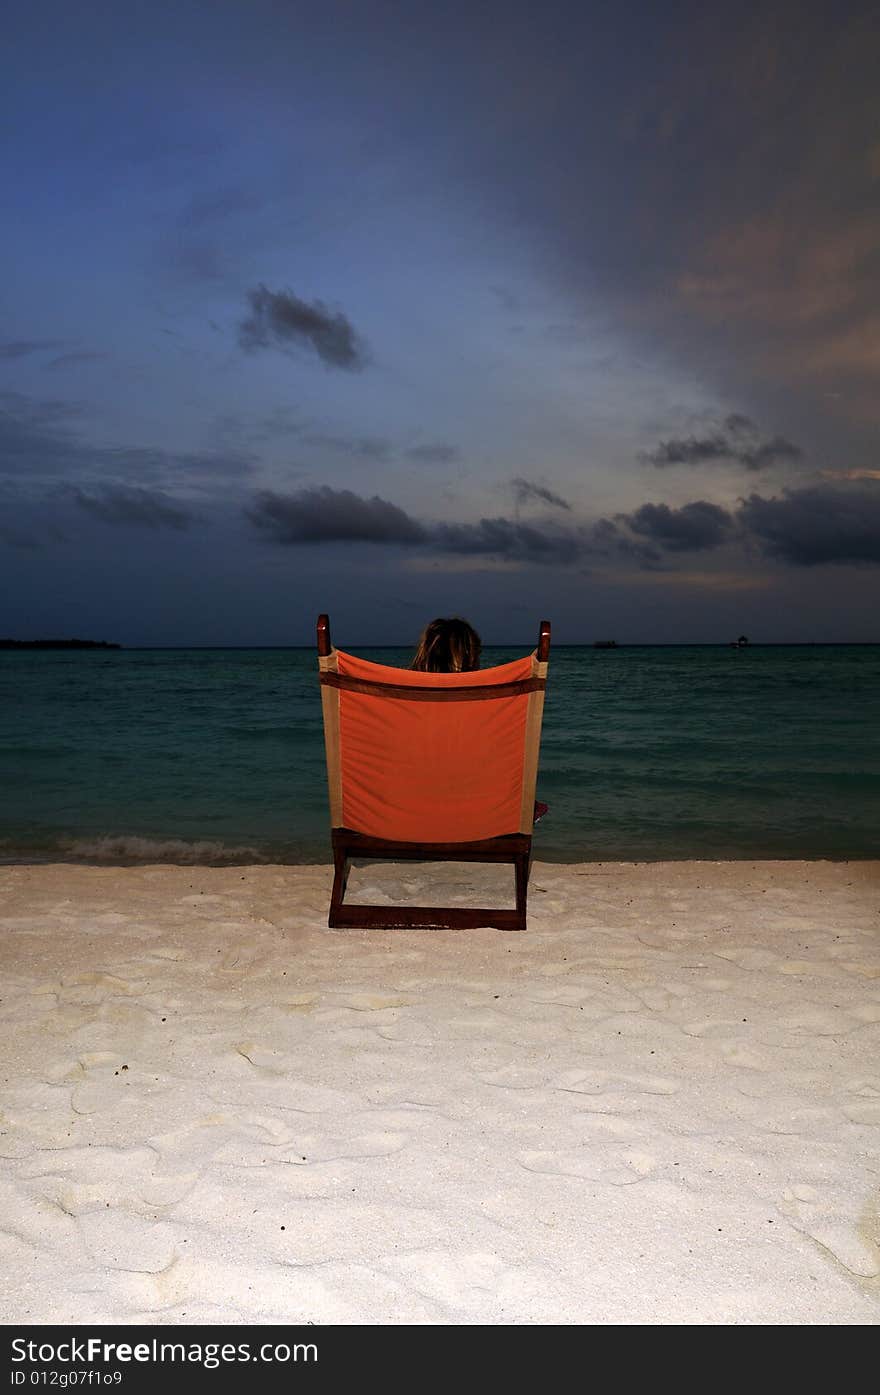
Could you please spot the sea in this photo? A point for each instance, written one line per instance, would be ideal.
(216, 756)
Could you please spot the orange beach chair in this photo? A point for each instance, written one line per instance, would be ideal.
(431, 766)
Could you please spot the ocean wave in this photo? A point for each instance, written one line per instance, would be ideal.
(130, 848)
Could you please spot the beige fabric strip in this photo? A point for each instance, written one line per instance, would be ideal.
(330, 707)
(534, 718)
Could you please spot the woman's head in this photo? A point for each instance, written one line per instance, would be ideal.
(448, 646)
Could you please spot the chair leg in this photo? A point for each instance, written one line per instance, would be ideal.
(358, 916)
(340, 878)
(522, 888)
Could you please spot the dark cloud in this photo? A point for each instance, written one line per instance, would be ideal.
(279, 319)
(322, 514)
(835, 522)
(772, 452)
(739, 424)
(692, 528)
(510, 539)
(123, 504)
(609, 541)
(438, 454)
(20, 348)
(738, 440)
(690, 450)
(829, 522)
(526, 491)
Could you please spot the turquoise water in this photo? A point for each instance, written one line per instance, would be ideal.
(217, 755)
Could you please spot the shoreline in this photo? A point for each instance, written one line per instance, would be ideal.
(659, 1104)
(256, 860)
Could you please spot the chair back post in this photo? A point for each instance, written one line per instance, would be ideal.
(544, 642)
(324, 643)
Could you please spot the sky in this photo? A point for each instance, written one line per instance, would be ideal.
(396, 310)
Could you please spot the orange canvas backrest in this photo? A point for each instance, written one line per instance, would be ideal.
(431, 757)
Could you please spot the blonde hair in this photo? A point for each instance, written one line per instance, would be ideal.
(448, 646)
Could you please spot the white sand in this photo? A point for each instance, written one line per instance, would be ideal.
(659, 1104)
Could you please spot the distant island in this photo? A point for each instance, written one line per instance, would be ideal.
(57, 644)
(604, 643)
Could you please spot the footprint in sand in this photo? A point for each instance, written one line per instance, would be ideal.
(818, 1217)
(84, 1179)
(145, 1198)
(483, 1286)
(276, 1079)
(395, 1107)
(807, 968)
(818, 1022)
(120, 1240)
(582, 1082)
(514, 1078)
(237, 958)
(96, 1082)
(66, 1072)
(748, 958)
(267, 1128)
(246, 1148)
(863, 1111)
(631, 1166)
(92, 988)
(710, 1026)
(619, 1168)
(659, 999)
(326, 1149)
(299, 1002)
(600, 1128)
(63, 1073)
(35, 1222)
(868, 1087)
(461, 1280)
(374, 1002)
(848, 1247)
(264, 1057)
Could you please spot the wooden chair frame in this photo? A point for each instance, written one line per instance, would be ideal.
(347, 843)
